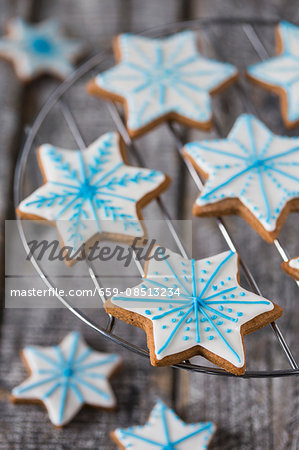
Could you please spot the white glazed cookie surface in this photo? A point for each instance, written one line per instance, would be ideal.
(203, 305)
(41, 48)
(90, 191)
(251, 164)
(165, 430)
(67, 376)
(294, 263)
(158, 76)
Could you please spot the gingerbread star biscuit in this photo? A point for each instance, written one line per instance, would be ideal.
(291, 267)
(252, 172)
(280, 73)
(92, 193)
(66, 376)
(190, 308)
(164, 430)
(161, 79)
(39, 49)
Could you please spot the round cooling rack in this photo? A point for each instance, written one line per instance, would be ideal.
(248, 27)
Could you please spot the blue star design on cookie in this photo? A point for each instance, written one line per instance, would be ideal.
(159, 78)
(39, 49)
(66, 376)
(91, 192)
(253, 165)
(203, 308)
(165, 431)
(281, 72)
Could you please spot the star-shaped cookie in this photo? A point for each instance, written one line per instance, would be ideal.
(92, 193)
(39, 49)
(252, 172)
(164, 430)
(280, 73)
(291, 267)
(66, 376)
(161, 79)
(190, 308)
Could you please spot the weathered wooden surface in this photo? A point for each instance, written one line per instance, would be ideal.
(254, 414)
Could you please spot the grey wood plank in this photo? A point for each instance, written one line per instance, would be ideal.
(256, 414)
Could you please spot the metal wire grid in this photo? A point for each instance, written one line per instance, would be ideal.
(57, 96)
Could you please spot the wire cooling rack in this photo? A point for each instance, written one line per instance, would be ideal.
(248, 27)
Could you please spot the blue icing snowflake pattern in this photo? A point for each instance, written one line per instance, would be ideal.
(41, 48)
(67, 376)
(256, 166)
(161, 76)
(165, 431)
(197, 314)
(90, 191)
(282, 72)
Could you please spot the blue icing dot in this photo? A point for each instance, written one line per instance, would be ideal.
(208, 262)
(242, 294)
(211, 338)
(183, 264)
(166, 278)
(220, 322)
(223, 297)
(204, 271)
(228, 330)
(220, 308)
(239, 314)
(203, 319)
(214, 287)
(160, 308)
(187, 329)
(173, 320)
(214, 317)
(186, 338)
(229, 278)
(207, 329)
(181, 313)
(189, 320)
(164, 327)
(222, 283)
(229, 310)
(202, 280)
(147, 311)
(41, 45)
(232, 296)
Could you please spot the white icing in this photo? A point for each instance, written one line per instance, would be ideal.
(251, 164)
(76, 375)
(42, 48)
(294, 263)
(110, 209)
(158, 76)
(213, 277)
(283, 70)
(166, 431)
